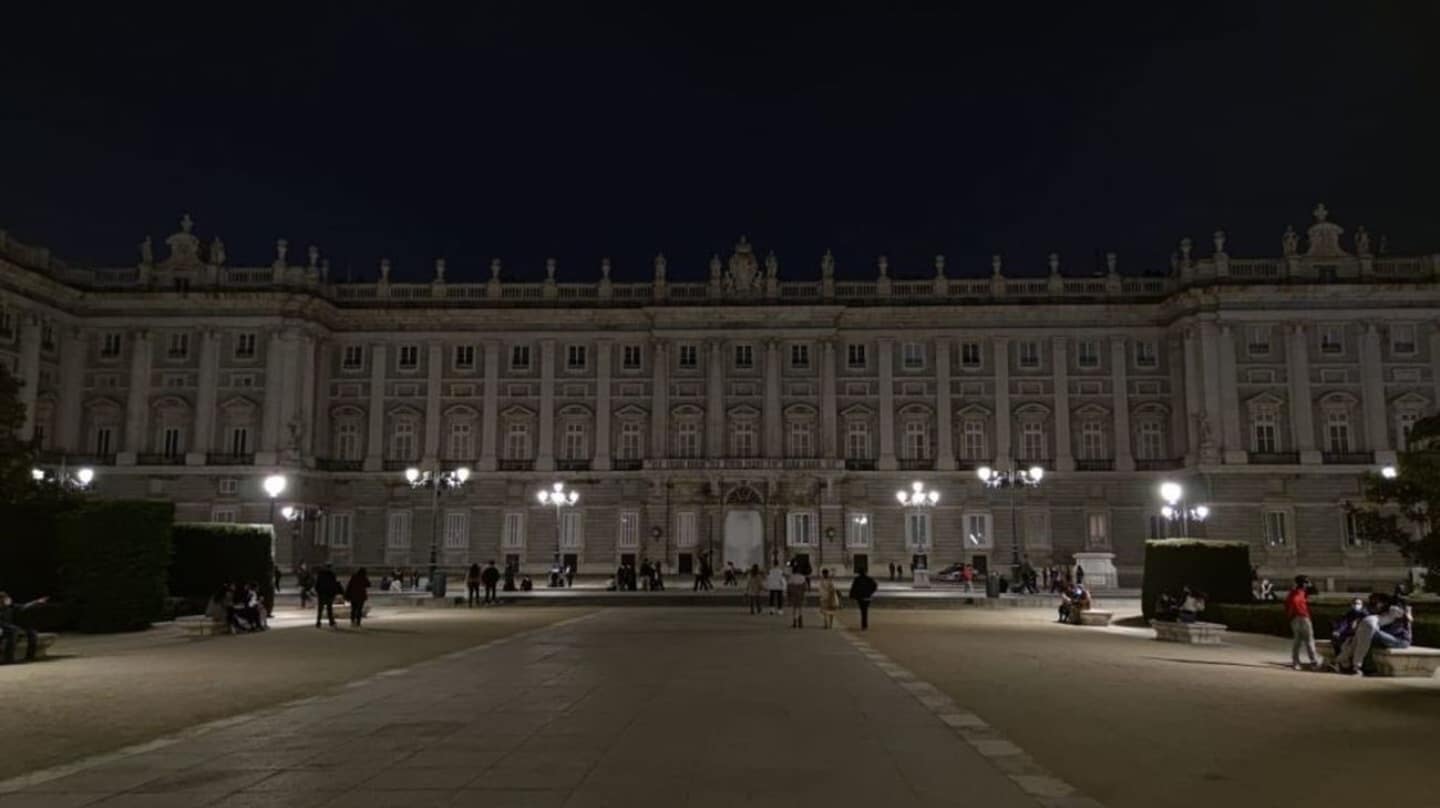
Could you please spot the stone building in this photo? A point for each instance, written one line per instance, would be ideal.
(744, 415)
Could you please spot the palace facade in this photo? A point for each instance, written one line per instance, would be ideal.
(746, 416)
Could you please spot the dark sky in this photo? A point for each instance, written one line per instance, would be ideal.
(535, 129)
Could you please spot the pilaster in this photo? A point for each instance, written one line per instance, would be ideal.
(660, 401)
(490, 402)
(375, 437)
(1124, 460)
(545, 456)
(715, 398)
(1302, 407)
(29, 373)
(434, 369)
(829, 405)
(774, 439)
(1372, 391)
(72, 387)
(204, 438)
(274, 393)
(885, 347)
(944, 414)
(1230, 399)
(137, 402)
(1003, 445)
(604, 350)
(1064, 445)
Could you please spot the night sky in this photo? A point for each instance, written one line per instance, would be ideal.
(535, 129)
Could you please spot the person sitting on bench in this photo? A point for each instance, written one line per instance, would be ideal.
(10, 632)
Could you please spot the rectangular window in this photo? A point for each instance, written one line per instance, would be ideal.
(227, 486)
(630, 357)
(512, 536)
(179, 347)
(1030, 354)
(1332, 340)
(402, 441)
(170, 441)
(574, 357)
(1404, 422)
(1092, 441)
(461, 444)
(971, 357)
(1146, 355)
(630, 434)
(1037, 529)
(857, 530)
(857, 440)
(239, 440)
(7, 325)
(689, 357)
(799, 441)
(1151, 443)
(347, 441)
(1259, 340)
(517, 442)
(104, 437)
(1087, 354)
(978, 535)
(687, 532)
(47, 337)
(800, 529)
(409, 357)
(1402, 339)
(917, 441)
(573, 447)
(338, 528)
(912, 356)
(457, 530)
(1277, 528)
(687, 440)
(1097, 529)
(1032, 441)
(464, 357)
(800, 356)
(520, 357)
(917, 530)
(742, 440)
(572, 529)
(353, 357)
(1337, 432)
(1263, 434)
(855, 355)
(397, 530)
(224, 513)
(744, 357)
(972, 440)
(110, 344)
(245, 345)
(629, 538)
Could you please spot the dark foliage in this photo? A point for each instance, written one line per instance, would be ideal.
(1220, 569)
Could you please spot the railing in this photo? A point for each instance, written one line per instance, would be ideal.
(745, 464)
(228, 459)
(397, 465)
(333, 464)
(516, 465)
(916, 464)
(860, 464)
(572, 465)
(628, 464)
(1159, 465)
(1106, 464)
(90, 459)
(159, 459)
(1347, 458)
(1275, 458)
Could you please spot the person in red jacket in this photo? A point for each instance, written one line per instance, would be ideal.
(1297, 609)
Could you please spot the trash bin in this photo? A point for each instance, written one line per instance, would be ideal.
(992, 585)
(437, 586)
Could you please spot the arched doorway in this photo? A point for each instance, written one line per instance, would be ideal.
(744, 528)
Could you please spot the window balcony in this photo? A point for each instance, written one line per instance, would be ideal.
(228, 459)
(1105, 464)
(582, 464)
(1159, 465)
(87, 460)
(160, 459)
(1347, 458)
(628, 464)
(332, 464)
(860, 464)
(517, 465)
(916, 464)
(1275, 458)
(398, 465)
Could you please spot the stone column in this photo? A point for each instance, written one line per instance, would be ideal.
(1178, 363)
(885, 347)
(944, 412)
(490, 403)
(773, 437)
(1064, 445)
(660, 402)
(1302, 407)
(434, 370)
(29, 373)
(315, 406)
(1372, 392)
(204, 438)
(270, 424)
(137, 404)
(1124, 460)
(545, 456)
(829, 405)
(1235, 449)
(1003, 446)
(1194, 405)
(72, 392)
(715, 398)
(604, 351)
(290, 389)
(375, 438)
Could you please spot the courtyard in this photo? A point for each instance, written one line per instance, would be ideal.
(699, 706)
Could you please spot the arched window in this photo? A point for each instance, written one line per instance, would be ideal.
(1092, 441)
(517, 441)
(347, 440)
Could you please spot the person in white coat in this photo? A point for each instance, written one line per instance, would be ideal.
(775, 586)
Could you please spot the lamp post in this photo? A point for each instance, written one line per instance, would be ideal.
(558, 497)
(1013, 479)
(917, 499)
(1175, 509)
(1389, 472)
(274, 486)
(79, 480)
(437, 482)
(297, 516)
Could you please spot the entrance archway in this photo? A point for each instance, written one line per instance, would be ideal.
(744, 538)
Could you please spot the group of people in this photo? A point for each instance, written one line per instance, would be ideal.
(327, 590)
(239, 607)
(1184, 607)
(648, 577)
(1074, 599)
(790, 584)
(1381, 619)
(475, 578)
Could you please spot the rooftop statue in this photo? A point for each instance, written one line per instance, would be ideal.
(1290, 242)
(184, 247)
(743, 269)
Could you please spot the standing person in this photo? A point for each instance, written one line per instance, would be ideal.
(730, 577)
(570, 576)
(657, 584)
(357, 591)
(1297, 608)
(829, 597)
(278, 576)
(892, 570)
(10, 632)
(862, 589)
(795, 588)
(490, 576)
(967, 578)
(306, 581)
(775, 585)
(327, 586)
(645, 573)
(1079, 574)
(754, 587)
(472, 586)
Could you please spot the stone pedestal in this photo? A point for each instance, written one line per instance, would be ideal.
(922, 579)
(1100, 572)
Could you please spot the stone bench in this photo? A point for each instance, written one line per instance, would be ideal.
(1192, 633)
(42, 646)
(1095, 617)
(1416, 661)
(200, 626)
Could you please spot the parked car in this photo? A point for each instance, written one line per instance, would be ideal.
(950, 574)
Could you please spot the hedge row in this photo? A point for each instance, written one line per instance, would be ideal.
(113, 558)
(28, 565)
(1269, 618)
(1220, 569)
(208, 555)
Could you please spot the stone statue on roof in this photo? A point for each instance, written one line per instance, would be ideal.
(147, 252)
(184, 247)
(1290, 241)
(217, 252)
(1362, 241)
(827, 266)
(743, 269)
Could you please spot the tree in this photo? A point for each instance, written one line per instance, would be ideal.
(1396, 508)
(16, 457)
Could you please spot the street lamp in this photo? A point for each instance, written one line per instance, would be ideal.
(558, 497)
(918, 498)
(78, 480)
(297, 517)
(1389, 472)
(1013, 479)
(274, 486)
(437, 482)
(1175, 509)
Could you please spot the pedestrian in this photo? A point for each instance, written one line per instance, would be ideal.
(570, 576)
(862, 589)
(357, 591)
(1079, 574)
(490, 577)
(754, 587)
(829, 597)
(967, 578)
(1302, 631)
(657, 584)
(892, 571)
(10, 632)
(731, 579)
(646, 573)
(795, 588)
(775, 586)
(306, 581)
(472, 586)
(327, 587)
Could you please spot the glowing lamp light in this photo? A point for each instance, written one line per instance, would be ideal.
(85, 475)
(462, 474)
(288, 512)
(37, 475)
(1389, 472)
(1201, 512)
(1036, 473)
(275, 485)
(412, 474)
(1171, 492)
(985, 473)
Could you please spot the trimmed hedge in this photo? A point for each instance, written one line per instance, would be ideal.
(27, 549)
(114, 557)
(1269, 618)
(1220, 569)
(208, 555)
